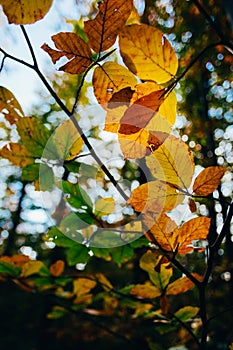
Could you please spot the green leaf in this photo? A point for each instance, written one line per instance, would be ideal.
(77, 254)
(34, 135)
(187, 313)
(56, 312)
(61, 240)
(122, 254)
(77, 196)
(9, 269)
(40, 172)
(74, 222)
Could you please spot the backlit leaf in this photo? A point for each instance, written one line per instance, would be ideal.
(9, 268)
(208, 180)
(74, 48)
(36, 172)
(31, 267)
(21, 12)
(57, 268)
(155, 196)
(34, 135)
(83, 286)
(172, 162)
(17, 154)
(181, 285)
(145, 291)
(194, 229)
(109, 79)
(104, 28)
(147, 53)
(138, 115)
(104, 206)
(187, 313)
(76, 196)
(162, 231)
(78, 254)
(67, 140)
(9, 106)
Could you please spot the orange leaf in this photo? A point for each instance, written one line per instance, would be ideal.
(194, 229)
(140, 113)
(82, 286)
(74, 48)
(147, 53)
(155, 196)
(103, 29)
(181, 285)
(208, 180)
(162, 231)
(25, 12)
(146, 291)
(17, 154)
(57, 268)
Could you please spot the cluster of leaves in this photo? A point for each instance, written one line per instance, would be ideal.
(141, 109)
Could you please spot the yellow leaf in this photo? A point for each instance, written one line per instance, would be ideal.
(57, 268)
(208, 180)
(145, 291)
(142, 142)
(102, 279)
(103, 29)
(181, 285)
(67, 140)
(82, 286)
(147, 53)
(109, 79)
(31, 267)
(172, 162)
(194, 229)
(155, 196)
(149, 261)
(161, 231)
(25, 12)
(104, 206)
(74, 48)
(17, 154)
(9, 106)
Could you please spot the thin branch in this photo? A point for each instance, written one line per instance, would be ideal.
(29, 46)
(186, 327)
(70, 114)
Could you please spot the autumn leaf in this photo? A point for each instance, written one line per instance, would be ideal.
(82, 286)
(145, 291)
(21, 12)
(155, 196)
(110, 78)
(172, 162)
(187, 313)
(194, 229)
(57, 268)
(67, 141)
(17, 154)
(208, 180)
(162, 231)
(9, 106)
(104, 206)
(181, 285)
(31, 267)
(140, 113)
(147, 53)
(74, 48)
(104, 28)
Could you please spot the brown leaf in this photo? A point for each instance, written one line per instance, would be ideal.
(104, 28)
(9, 106)
(74, 48)
(192, 205)
(57, 268)
(208, 180)
(140, 113)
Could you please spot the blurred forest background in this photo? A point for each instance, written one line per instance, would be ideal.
(204, 121)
